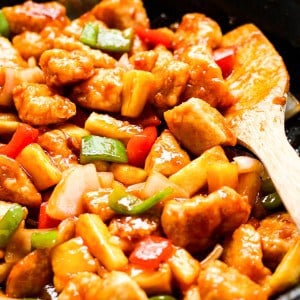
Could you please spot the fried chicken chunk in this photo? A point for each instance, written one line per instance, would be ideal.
(102, 91)
(218, 281)
(166, 156)
(32, 16)
(121, 14)
(38, 105)
(198, 126)
(243, 251)
(278, 234)
(195, 223)
(62, 67)
(15, 186)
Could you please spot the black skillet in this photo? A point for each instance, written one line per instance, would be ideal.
(278, 19)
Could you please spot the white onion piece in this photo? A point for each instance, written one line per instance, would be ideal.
(213, 255)
(7, 88)
(248, 164)
(157, 182)
(66, 198)
(13, 77)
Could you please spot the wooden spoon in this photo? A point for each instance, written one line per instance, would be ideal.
(260, 83)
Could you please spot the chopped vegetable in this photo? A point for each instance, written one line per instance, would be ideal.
(100, 242)
(66, 198)
(94, 148)
(89, 34)
(151, 251)
(23, 136)
(271, 201)
(140, 145)
(39, 166)
(4, 25)
(9, 223)
(124, 203)
(112, 40)
(224, 57)
(155, 36)
(137, 86)
(45, 221)
(43, 239)
(267, 186)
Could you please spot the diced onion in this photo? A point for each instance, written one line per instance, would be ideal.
(248, 164)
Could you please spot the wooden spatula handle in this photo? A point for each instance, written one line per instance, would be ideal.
(283, 165)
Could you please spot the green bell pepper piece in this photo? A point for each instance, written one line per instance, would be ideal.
(89, 34)
(43, 239)
(4, 25)
(126, 204)
(114, 40)
(271, 201)
(10, 223)
(95, 148)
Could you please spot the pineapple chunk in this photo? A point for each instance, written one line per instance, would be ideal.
(128, 174)
(193, 176)
(8, 123)
(74, 132)
(70, 258)
(153, 281)
(100, 242)
(39, 166)
(107, 126)
(138, 85)
(287, 273)
(184, 267)
(222, 173)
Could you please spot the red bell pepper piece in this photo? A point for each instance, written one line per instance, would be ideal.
(45, 221)
(224, 57)
(148, 118)
(139, 146)
(154, 36)
(151, 251)
(23, 136)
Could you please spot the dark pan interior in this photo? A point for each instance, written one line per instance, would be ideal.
(280, 22)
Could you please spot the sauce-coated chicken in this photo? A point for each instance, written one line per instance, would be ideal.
(195, 223)
(37, 104)
(15, 186)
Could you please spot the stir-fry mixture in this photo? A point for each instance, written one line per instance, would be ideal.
(120, 177)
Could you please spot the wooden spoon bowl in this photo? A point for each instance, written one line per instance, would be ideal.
(260, 83)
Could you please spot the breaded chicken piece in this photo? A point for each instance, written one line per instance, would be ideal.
(196, 223)
(218, 281)
(38, 105)
(194, 29)
(15, 186)
(56, 144)
(166, 156)
(278, 234)
(102, 91)
(33, 44)
(63, 68)
(198, 126)
(243, 251)
(100, 59)
(121, 14)
(171, 77)
(33, 16)
(205, 77)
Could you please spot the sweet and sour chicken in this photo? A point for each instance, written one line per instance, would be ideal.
(120, 177)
